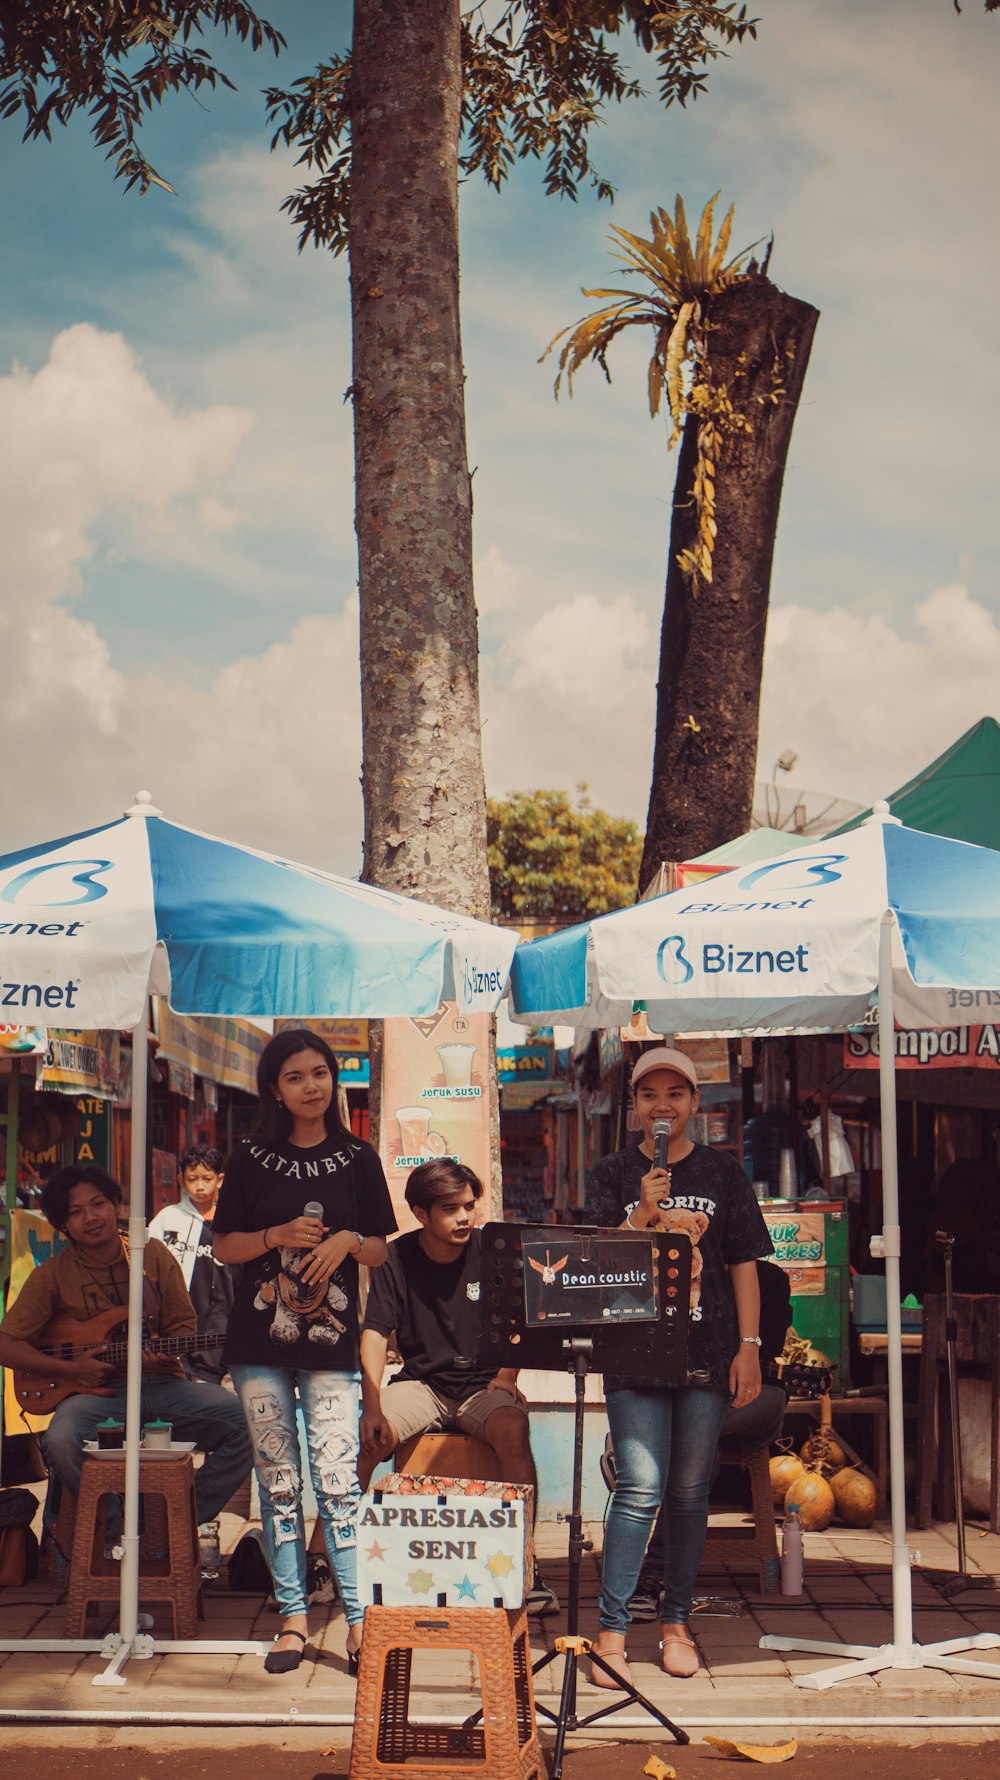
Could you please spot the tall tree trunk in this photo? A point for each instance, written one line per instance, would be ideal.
(712, 642)
(424, 796)
(422, 776)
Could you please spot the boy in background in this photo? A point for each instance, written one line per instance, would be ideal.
(186, 1230)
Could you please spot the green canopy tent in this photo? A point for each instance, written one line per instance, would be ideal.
(957, 795)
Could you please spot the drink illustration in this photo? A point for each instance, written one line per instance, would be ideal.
(456, 1062)
(416, 1139)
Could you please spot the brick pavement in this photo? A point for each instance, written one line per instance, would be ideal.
(847, 1595)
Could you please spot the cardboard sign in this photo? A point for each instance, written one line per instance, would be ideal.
(450, 1548)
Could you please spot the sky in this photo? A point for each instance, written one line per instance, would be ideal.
(179, 606)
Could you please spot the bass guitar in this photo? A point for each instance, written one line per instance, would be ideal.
(799, 1380)
(104, 1337)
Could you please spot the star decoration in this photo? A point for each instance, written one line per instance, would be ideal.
(499, 1564)
(419, 1582)
(467, 1589)
(376, 1551)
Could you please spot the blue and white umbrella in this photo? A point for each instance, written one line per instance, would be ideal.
(94, 923)
(791, 942)
(882, 923)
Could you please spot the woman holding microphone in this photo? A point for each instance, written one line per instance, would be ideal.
(665, 1436)
(303, 1203)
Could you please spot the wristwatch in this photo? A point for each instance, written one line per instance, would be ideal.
(360, 1240)
(752, 1340)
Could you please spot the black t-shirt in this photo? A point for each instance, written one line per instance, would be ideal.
(433, 1306)
(712, 1202)
(276, 1321)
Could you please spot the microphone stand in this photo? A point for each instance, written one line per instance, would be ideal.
(572, 1647)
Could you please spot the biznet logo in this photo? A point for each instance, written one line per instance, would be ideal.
(48, 887)
(722, 958)
(477, 982)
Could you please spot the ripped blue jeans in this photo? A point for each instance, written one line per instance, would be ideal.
(330, 1413)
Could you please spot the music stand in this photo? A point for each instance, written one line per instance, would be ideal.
(555, 1297)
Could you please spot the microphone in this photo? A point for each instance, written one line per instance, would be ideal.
(661, 1140)
(313, 1210)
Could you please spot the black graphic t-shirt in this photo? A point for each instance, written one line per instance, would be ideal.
(276, 1320)
(433, 1307)
(712, 1202)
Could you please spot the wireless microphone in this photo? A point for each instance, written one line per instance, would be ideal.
(661, 1141)
(313, 1210)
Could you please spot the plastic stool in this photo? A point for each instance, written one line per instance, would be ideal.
(169, 1556)
(386, 1746)
(756, 1545)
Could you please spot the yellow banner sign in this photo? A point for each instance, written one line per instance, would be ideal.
(82, 1062)
(343, 1036)
(225, 1051)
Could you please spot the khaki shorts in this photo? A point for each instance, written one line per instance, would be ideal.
(412, 1407)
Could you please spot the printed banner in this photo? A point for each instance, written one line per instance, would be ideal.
(518, 1063)
(799, 1240)
(32, 1241)
(225, 1051)
(950, 1047)
(82, 1063)
(435, 1098)
(340, 1035)
(445, 1550)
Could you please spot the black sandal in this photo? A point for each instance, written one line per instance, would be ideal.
(282, 1662)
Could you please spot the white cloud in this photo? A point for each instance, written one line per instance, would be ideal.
(866, 706)
(570, 700)
(248, 755)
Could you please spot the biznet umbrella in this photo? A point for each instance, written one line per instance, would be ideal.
(93, 923)
(884, 920)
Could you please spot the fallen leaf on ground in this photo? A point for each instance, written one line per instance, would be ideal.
(755, 1751)
(658, 1770)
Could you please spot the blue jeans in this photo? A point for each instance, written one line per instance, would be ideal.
(665, 1443)
(204, 1413)
(330, 1413)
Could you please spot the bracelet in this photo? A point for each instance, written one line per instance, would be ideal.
(361, 1241)
(267, 1245)
(753, 1340)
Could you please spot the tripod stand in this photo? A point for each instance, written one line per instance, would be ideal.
(572, 1646)
(614, 1300)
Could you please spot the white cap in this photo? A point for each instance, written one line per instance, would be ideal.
(661, 1057)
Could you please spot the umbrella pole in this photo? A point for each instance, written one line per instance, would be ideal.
(902, 1595)
(128, 1613)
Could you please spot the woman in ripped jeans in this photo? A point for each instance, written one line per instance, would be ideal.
(302, 1203)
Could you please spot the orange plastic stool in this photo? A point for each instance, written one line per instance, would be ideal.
(169, 1556)
(503, 1746)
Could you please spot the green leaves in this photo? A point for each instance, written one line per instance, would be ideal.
(535, 81)
(57, 59)
(553, 858)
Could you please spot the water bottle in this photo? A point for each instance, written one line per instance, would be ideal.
(208, 1545)
(791, 1551)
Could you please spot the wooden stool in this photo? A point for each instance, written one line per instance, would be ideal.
(755, 1545)
(386, 1746)
(448, 1455)
(977, 1318)
(169, 1557)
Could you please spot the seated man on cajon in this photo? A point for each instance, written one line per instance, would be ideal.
(428, 1294)
(88, 1280)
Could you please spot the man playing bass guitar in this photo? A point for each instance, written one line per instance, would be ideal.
(87, 1280)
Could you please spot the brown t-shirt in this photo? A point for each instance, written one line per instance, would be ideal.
(70, 1286)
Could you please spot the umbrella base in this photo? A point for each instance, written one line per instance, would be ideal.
(868, 1659)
